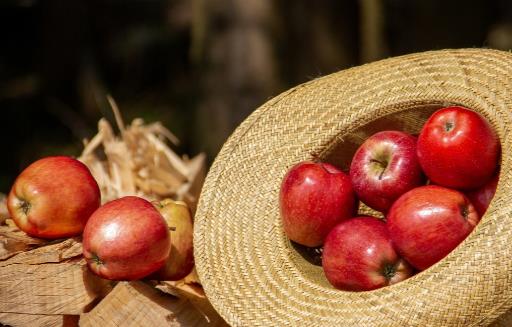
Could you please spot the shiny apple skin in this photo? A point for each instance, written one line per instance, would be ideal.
(428, 222)
(384, 167)
(482, 197)
(53, 198)
(126, 239)
(359, 256)
(458, 148)
(314, 197)
(181, 259)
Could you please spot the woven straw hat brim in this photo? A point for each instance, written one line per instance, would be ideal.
(252, 274)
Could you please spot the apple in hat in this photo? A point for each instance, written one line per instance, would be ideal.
(359, 256)
(428, 222)
(384, 167)
(458, 148)
(314, 197)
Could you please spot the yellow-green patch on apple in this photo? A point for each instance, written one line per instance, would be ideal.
(181, 259)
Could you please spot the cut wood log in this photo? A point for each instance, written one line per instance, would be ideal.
(24, 320)
(50, 280)
(195, 295)
(139, 304)
(14, 241)
(51, 253)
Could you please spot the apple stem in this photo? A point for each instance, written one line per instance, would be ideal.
(464, 211)
(381, 174)
(172, 228)
(24, 206)
(96, 259)
(389, 270)
(382, 164)
(449, 126)
(157, 204)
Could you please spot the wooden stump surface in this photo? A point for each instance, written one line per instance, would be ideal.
(48, 284)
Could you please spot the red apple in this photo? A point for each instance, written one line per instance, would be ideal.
(359, 256)
(482, 197)
(181, 259)
(53, 198)
(428, 222)
(126, 239)
(384, 167)
(314, 197)
(458, 148)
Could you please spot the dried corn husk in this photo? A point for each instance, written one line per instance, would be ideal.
(4, 213)
(139, 161)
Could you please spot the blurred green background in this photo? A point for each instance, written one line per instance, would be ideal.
(199, 66)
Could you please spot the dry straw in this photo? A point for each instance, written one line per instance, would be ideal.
(251, 273)
(139, 162)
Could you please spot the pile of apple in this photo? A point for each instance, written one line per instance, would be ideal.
(431, 189)
(125, 239)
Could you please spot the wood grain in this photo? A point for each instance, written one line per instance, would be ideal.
(14, 241)
(52, 279)
(24, 320)
(52, 253)
(139, 304)
(194, 293)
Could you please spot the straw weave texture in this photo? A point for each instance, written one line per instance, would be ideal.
(250, 271)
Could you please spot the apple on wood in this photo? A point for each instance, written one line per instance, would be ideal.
(181, 259)
(359, 256)
(384, 167)
(126, 239)
(53, 198)
(457, 148)
(428, 222)
(314, 197)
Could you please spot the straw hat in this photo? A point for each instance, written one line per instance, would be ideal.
(255, 277)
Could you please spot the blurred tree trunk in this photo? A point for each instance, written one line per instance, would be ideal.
(317, 38)
(373, 43)
(250, 50)
(233, 47)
